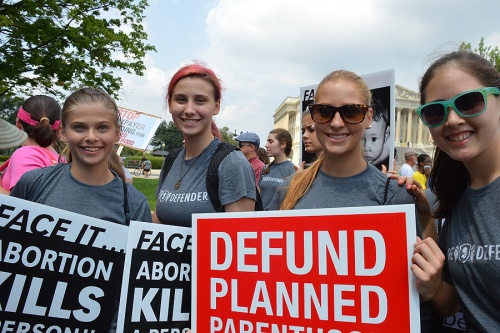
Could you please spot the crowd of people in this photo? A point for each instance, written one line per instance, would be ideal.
(344, 128)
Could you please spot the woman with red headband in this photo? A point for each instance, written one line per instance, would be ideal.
(39, 117)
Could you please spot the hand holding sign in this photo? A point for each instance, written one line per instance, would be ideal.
(427, 265)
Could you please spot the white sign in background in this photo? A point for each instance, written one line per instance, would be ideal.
(137, 128)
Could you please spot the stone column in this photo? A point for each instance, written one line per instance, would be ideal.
(420, 131)
(398, 126)
(410, 125)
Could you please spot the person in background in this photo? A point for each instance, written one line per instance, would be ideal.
(279, 147)
(249, 145)
(146, 166)
(410, 160)
(309, 139)
(39, 116)
(126, 173)
(460, 99)
(193, 98)
(88, 184)
(262, 153)
(341, 177)
(423, 172)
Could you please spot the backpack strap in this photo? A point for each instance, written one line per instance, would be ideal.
(167, 165)
(223, 149)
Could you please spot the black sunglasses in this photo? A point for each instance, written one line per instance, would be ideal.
(351, 114)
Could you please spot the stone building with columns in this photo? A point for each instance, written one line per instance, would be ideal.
(409, 130)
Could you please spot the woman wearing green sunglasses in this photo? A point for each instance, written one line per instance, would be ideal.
(461, 107)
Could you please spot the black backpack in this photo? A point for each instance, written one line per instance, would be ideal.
(223, 149)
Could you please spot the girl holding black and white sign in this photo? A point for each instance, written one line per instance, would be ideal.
(87, 185)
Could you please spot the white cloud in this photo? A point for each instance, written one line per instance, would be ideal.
(265, 50)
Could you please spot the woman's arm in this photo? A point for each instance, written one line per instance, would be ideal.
(446, 301)
(155, 218)
(422, 204)
(427, 266)
(242, 205)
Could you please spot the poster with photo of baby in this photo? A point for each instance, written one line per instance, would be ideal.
(378, 141)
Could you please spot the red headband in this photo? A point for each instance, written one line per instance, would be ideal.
(26, 117)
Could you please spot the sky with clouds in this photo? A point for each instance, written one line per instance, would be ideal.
(265, 50)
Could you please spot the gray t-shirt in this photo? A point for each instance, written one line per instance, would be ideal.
(364, 189)
(56, 187)
(236, 181)
(470, 240)
(275, 178)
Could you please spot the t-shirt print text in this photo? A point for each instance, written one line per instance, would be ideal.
(469, 252)
(167, 196)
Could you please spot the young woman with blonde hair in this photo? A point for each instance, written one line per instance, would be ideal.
(341, 177)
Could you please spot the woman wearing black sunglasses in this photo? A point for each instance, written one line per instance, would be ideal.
(461, 107)
(341, 177)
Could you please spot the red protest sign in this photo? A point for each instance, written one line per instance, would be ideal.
(305, 271)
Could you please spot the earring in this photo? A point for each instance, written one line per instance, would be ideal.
(369, 127)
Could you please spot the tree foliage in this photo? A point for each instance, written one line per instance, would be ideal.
(58, 45)
(169, 135)
(488, 52)
(228, 136)
(9, 105)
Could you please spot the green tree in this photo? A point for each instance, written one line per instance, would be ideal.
(58, 45)
(488, 52)
(167, 134)
(228, 136)
(9, 104)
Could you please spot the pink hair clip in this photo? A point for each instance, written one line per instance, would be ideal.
(26, 117)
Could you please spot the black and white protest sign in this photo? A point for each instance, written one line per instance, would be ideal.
(59, 271)
(156, 289)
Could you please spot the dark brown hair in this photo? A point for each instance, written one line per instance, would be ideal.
(448, 176)
(41, 106)
(283, 136)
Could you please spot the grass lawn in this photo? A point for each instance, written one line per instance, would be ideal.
(148, 188)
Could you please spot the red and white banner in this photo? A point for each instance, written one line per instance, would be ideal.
(137, 128)
(339, 270)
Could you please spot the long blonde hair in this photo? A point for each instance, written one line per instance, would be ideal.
(302, 181)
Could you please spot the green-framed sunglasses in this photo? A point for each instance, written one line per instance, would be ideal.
(468, 104)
